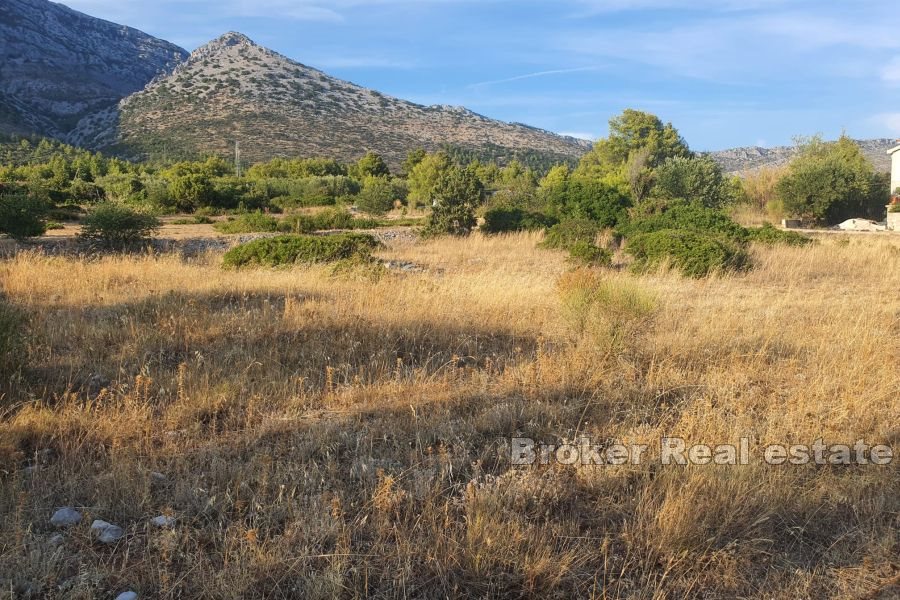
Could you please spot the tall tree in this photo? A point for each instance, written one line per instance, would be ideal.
(457, 193)
(831, 182)
(630, 133)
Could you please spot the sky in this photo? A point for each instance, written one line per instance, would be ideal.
(726, 73)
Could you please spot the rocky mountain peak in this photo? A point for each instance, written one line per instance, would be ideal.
(58, 65)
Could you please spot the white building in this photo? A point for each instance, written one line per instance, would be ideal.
(894, 153)
(893, 218)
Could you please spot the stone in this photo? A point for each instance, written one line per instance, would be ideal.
(163, 521)
(106, 533)
(158, 477)
(57, 539)
(65, 517)
(129, 595)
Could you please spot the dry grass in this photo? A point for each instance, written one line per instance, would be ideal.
(331, 436)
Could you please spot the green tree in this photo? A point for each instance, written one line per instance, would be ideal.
(830, 182)
(117, 226)
(631, 132)
(424, 177)
(413, 157)
(371, 165)
(191, 191)
(377, 196)
(697, 179)
(22, 215)
(457, 193)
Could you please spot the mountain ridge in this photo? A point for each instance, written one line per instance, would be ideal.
(234, 90)
(751, 158)
(58, 65)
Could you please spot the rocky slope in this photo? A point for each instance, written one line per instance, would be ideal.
(58, 65)
(235, 90)
(738, 160)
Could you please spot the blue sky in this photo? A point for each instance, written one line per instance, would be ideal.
(725, 72)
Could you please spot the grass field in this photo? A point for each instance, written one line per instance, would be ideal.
(346, 436)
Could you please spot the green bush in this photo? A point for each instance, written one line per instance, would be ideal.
(455, 194)
(566, 234)
(505, 219)
(579, 237)
(831, 182)
(377, 196)
(22, 215)
(293, 249)
(698, 179)
(588, 199)
(588, 253)
(325, 220)
(684, 216)
(195, 220)
(694, 253)
(771, 236)
(115, 225)
(248, 223)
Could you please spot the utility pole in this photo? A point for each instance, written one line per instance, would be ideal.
(237, 158)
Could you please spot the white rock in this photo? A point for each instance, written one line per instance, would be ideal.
(163, 521)
(106, 532)
(65, 517)
(129, 595)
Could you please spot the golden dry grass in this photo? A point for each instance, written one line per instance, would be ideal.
(329, 436)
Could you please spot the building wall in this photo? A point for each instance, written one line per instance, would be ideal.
(895, 171)
(893, 221)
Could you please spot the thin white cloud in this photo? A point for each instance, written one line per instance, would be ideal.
(532, 76)
(360, 62)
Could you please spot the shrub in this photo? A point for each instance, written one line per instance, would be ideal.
(589, 199)
(579, 237)
(192, 191)
(831, 182)
(248, 223)
(588, 253)
(195, 220)
(293, 249)
(504, 219)
(694, 253)
(377, 196)
(565, 234)
(769, 235)
(655, 216)
(456, 193)
(326, 220)
(22, 215)
(114, 225)
(698, 179)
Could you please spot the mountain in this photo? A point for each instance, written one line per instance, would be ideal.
(58, 65)
(233, 90)
(738, 160)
